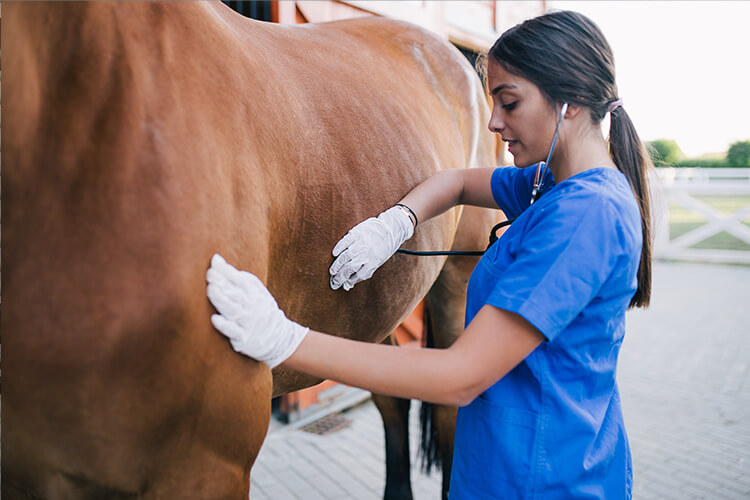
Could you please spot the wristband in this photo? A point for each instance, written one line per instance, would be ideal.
(410, 213)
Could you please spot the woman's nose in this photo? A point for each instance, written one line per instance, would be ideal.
(496, 124)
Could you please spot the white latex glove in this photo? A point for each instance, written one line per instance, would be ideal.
(368, 245)
(249, 315)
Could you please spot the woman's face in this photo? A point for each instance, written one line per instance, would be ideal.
(521, 115)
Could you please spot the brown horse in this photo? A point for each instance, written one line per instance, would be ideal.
(139, 139)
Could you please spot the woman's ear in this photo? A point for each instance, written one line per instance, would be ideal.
(573, 111)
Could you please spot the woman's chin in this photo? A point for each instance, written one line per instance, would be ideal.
(523, 162)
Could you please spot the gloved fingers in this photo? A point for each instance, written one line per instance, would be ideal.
(242, 340)
(350, 282)
(334, 285)
(337, 281)
(229, 289)
(358, 251)
(364, 273)
(344, 243)
(240, 286)
(223, 268)
(343, 258)
(214, 277)
(217, 261)
(223, 302)
(228, 328)
(347, 271)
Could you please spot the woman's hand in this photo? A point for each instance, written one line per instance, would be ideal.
(249, 315)
(368, 245)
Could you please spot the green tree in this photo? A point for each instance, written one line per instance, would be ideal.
(739, 154)
(665, 152)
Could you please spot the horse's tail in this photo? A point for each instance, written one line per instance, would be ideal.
(430, 439)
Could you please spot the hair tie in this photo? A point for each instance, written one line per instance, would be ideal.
(614, 105)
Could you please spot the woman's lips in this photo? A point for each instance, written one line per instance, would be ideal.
(511, 145)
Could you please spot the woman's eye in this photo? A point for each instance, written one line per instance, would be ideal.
(510, 106)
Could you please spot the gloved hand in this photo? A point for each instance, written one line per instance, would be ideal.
(368, 245)
(249, 315)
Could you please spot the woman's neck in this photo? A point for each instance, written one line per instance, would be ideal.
(580, 149)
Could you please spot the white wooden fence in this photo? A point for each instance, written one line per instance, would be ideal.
(685, 186)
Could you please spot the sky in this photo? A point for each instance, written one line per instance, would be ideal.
(682, 67)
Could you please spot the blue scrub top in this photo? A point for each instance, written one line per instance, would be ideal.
(552, 427)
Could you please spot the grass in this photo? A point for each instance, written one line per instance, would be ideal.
(682, 220)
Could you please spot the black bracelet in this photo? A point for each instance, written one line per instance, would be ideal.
(416, 221)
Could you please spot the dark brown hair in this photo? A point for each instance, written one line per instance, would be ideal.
(566, 55)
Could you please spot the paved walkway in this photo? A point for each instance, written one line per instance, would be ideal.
(685, 383)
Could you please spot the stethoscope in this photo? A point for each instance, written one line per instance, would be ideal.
(536, 192)
(541, 167)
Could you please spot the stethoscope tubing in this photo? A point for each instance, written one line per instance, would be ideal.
(542, 166)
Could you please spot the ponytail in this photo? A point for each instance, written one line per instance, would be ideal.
(630, 156)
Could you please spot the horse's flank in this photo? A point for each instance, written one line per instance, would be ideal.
(139, 139)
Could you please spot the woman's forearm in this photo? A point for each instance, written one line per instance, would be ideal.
(435, 195)
(425, 374)
(492, 345)
(449, 188)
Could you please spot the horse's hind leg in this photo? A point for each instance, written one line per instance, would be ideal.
(395, 414)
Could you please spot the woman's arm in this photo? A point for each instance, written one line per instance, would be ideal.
(446, 189)
(491, 346)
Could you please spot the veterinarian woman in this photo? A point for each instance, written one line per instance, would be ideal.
(534, 371)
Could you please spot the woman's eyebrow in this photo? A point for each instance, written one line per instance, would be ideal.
(501, 87)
